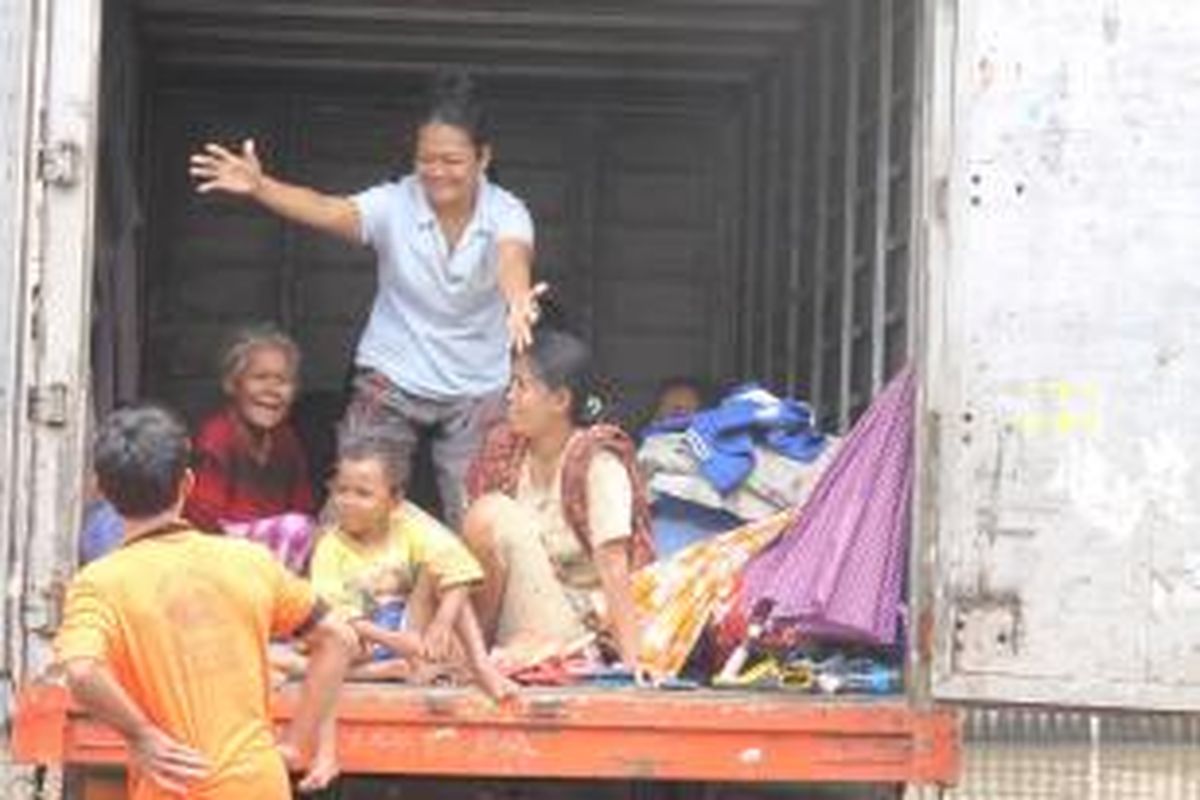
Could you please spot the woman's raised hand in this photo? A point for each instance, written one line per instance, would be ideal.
(523, 314)
(223, 170)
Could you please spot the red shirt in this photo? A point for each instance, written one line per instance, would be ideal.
(233, 486)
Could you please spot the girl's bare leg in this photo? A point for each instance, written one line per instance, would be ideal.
(479, 534)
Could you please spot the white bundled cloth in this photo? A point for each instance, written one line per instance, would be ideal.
(776, 483)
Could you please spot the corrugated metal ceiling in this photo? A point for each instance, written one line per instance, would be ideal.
(696, 41)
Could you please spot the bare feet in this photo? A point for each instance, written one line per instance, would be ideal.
(494, 684)
(434, 673)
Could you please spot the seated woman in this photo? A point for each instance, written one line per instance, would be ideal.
(400, 577)
(559, 517)
(251, 475)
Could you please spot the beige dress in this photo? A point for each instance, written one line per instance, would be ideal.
(553, 585)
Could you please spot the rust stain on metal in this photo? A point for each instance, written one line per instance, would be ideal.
(924, 638)
(638, 767)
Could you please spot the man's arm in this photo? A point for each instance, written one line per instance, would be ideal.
(168, 763)
(220, 169)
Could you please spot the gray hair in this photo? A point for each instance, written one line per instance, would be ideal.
(245, 341)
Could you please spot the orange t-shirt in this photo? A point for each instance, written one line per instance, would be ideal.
(182, 619)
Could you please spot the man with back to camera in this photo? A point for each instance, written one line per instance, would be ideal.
(165, 639)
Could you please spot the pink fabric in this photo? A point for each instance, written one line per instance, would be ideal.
(288, 536)
(839, 570)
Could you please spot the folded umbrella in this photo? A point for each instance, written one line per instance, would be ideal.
(838, 570)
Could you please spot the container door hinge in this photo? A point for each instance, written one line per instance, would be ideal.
(42, 607)
(48, 404)
(59, 163)
(987, 632)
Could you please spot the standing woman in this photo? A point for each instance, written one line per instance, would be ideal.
(454, 254)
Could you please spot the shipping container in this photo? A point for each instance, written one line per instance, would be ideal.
(809, 193)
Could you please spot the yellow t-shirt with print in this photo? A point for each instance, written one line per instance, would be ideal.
(346, 572)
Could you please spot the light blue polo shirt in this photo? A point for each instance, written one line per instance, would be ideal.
(438, 325)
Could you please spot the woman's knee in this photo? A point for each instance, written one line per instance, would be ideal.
(487, 519)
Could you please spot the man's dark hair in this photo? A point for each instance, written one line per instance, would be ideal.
(140, 455)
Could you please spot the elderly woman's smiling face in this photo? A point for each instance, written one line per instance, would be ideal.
(262, 391)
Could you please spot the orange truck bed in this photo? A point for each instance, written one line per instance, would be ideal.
(610, 734)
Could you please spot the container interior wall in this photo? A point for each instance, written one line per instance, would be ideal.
(749, 224)
(751, 228)
(624, 199)
(823, 254)
(117, 302)
(859, 232)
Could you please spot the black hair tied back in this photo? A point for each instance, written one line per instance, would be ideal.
(563, 360)
(452, 101)
(452, 86)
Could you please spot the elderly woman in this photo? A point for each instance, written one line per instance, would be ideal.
(559, 518)
(251, 473)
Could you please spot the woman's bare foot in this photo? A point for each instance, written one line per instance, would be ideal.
(494, 684)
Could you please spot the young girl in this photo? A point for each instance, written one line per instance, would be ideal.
(251, 473)
(385, 551)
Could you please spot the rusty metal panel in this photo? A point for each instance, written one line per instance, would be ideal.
(604, 734)
(1060, 377)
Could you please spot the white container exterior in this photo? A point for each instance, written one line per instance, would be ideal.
(1062, 313)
